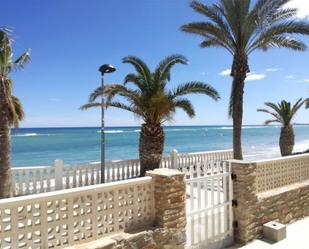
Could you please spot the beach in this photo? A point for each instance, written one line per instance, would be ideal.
(41, 146)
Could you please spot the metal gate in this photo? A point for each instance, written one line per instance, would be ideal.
(209, 197)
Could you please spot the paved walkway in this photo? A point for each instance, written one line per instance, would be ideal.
(297, 238)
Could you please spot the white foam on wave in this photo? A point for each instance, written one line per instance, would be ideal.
(224, 128)
(26, 135)
(120, 131)
(113, 131)
(301, 146)
(244, 127)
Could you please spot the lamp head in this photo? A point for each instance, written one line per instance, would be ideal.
(107, 68)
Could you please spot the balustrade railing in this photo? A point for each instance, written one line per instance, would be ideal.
(33, 180)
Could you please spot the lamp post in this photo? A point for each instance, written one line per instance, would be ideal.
(106, 68)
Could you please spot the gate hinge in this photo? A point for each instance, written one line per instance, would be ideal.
(235, 223)
(234, 203)
(233, 176)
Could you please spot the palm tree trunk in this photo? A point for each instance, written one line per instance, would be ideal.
(4, 144)
(240, 69)
(287, 140)
(151, 146)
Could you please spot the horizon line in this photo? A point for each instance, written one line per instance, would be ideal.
(134, 126)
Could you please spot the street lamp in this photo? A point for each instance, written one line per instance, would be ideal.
(106, 68)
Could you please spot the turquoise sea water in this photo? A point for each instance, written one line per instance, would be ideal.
(41, 146)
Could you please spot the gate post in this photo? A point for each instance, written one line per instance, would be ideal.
(58, 164)
(170, 204)
(245, 202)
(174, 161)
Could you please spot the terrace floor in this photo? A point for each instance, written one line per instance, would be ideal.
(297, 238)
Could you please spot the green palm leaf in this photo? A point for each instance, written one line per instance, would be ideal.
(150, 99)
(283, 112)
(194, 87)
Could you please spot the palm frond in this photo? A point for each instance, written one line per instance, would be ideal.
(90, 105)
(149, 99)
(213, 14)
(186, 106)
(196, 87)
(163, 70)
(16, 112)
(21, 61)
(283, 111)
(135, 79)
(269, 121)
(95, 94)
(110, 91)
(298, 105)
(140, 67)
(210, 32)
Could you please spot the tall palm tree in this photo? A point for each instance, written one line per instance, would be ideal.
(152, 101)
(283, 113)
(11, 111)
(241, 28)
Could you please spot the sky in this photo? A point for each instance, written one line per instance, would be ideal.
(70, 39)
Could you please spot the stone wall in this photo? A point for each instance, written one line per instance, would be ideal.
(168, 231)
(251, 210)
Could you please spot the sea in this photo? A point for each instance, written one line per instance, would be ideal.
(41, 146)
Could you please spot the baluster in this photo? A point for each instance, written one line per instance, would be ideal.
(67, 177)
(80, 177)
(129, 167)
(118, 171)
(48, 189)
(41, 183)
(124, 164)
(91, 175)
(25, 173)
(138, 168)
(30, 179)
(86, 177)
(113, 172)
(19, 182)
(13, 189)
(74, 179)
(34, 182)
(107, 172)
(97, 180)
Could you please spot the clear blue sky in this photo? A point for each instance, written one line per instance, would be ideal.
(70, 39)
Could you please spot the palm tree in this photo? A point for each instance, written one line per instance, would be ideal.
(11, 111)
(241, 28)
(150, 100)
(283, 113)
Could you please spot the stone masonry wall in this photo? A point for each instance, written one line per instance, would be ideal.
(168, 231)
(285, 204)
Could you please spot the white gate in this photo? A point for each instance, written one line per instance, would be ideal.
(209, 204)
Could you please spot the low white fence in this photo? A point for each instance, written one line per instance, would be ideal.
(68, 217)
(33, 180)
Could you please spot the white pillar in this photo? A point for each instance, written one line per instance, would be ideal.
(58, 174)
(174, 155)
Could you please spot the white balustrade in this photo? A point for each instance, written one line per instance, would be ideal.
(33, 180)
(67, 217)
